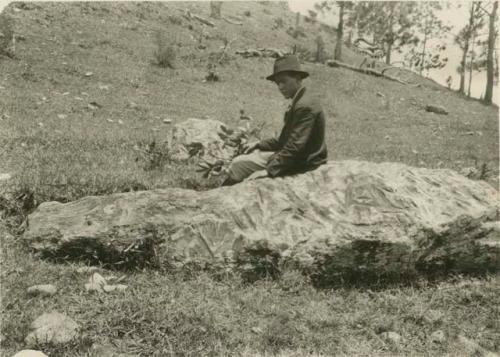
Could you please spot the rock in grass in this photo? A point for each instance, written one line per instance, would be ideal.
(392, 337)
(438, 109)
(30, 353)
(42, 290)
(96, 283)
(5, 176)
(54, 328)
(86, 269)
(345, 219)
(438, 336)
(199, 137)
(472, 348)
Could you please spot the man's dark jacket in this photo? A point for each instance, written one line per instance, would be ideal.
(301, 145)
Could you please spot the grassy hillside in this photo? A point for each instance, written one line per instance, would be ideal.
(53, 137)
(83, 93)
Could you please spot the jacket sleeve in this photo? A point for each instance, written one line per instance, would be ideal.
(299, 136)
(268, 144)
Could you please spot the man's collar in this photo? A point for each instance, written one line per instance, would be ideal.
(297, 95)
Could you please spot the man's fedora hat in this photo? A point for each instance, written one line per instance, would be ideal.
(288, 63)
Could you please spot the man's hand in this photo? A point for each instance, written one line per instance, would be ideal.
(249, 147)
(257, 175)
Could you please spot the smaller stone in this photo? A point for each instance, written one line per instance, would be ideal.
(85, 270)
(93, 106)
(109, 288)
(167, 121)
(89, 74)
(121, 287)
(381, 95)
(392, 337)
(438, 109)
(42, 290)
(30, 353)
(256, 330)
(5, 177)
(96, 283)
(53, 327)
(433, 317)
(62, 116)
(133, 105)
(472, 348)
(438, 336)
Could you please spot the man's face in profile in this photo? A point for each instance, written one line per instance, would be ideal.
(288, 83)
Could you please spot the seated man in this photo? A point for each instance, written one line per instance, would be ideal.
(301, 145)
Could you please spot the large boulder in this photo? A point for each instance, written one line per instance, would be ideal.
(201, 138)
(344, 219)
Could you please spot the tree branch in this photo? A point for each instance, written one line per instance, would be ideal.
(482, 8)
(334, 63)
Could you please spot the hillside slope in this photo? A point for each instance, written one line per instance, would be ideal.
(80, 106)
(84, 90)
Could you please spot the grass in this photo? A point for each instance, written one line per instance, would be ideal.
(195, 313)
(57, 147)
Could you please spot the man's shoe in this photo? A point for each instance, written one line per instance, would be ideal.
(228, 182)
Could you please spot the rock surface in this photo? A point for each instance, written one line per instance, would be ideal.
(392, 337)
(438, 336)
(42, 290)
(199, 137)
(97, 283)
(438, 109)
(30, 353)
(53, 327)
(343, 218)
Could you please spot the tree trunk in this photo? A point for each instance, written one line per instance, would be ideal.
(488, 95)
(426, 33)
(471, 63)
(215, 7)
(340, 29)
(467, 34)
(390, 38)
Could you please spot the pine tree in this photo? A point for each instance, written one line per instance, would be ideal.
(466, 38)
(343, 7)
(490, 65)
(388, 23)
(428, 27)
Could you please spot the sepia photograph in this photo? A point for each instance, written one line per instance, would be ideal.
(249, 178)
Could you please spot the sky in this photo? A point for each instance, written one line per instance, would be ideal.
(454, 17)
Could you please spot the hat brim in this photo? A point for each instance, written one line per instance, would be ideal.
(302, 73)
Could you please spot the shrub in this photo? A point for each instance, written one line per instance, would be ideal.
(278, 23)
(296, 32)
(247, 13)
(175, 20)
(303, 53)
(154, 156)
(165, 53)
(6, 36)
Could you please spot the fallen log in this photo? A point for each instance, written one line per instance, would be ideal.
(203, 20)
(334, 63)
(262, 52)
(232, 22)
